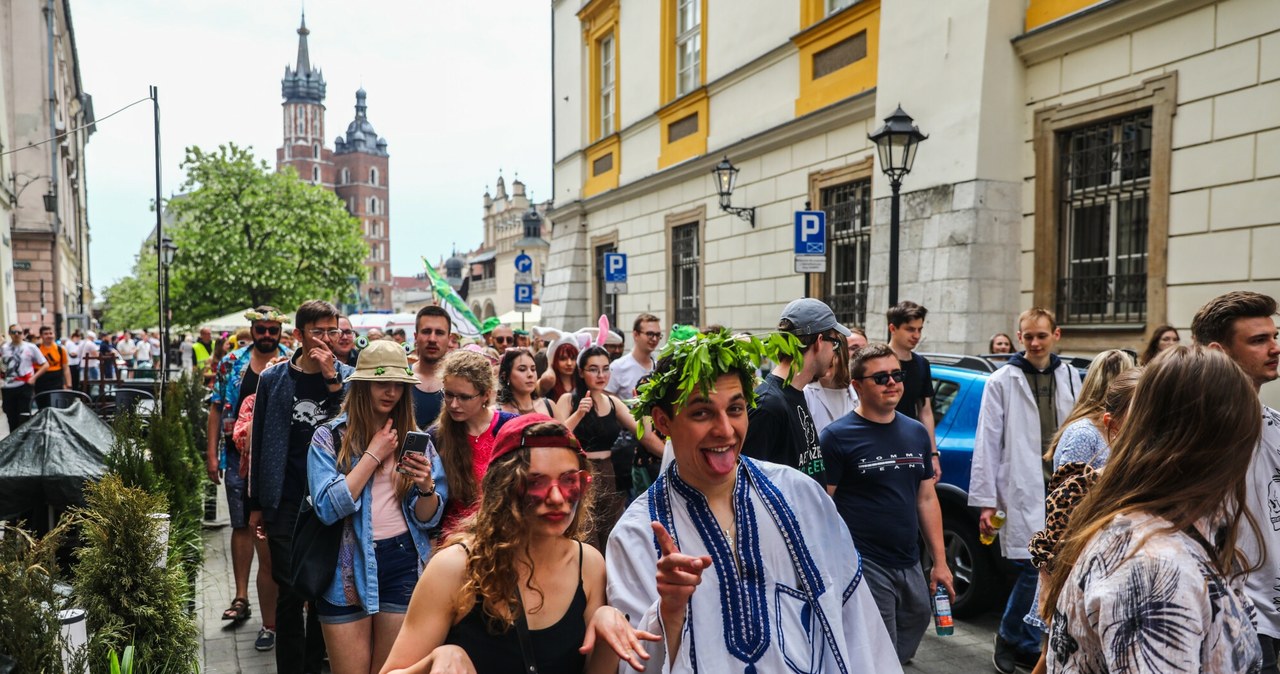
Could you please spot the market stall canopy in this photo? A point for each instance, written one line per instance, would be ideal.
(530, 317)
(48, 459)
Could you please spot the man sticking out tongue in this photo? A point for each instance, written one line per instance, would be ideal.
(727, 556)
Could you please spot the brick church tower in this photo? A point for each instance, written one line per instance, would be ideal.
(356, 170)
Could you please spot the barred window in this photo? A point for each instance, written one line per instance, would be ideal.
(605, 304)
(1104, 193)
(684, 274)
(848, 208)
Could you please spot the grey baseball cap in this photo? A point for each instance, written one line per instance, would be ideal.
(811, 317)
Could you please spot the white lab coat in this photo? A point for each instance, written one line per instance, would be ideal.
(1007, 472)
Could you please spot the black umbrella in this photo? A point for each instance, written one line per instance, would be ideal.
(46, 461)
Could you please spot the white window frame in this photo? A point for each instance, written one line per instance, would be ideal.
(608, 84)
(833, 6)
(688, 46)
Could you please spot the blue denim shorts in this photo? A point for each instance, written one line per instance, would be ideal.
(397, 575)
(235, 487)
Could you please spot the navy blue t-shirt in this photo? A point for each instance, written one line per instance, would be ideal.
(876, 470)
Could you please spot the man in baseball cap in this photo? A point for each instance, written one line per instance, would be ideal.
(780, 428)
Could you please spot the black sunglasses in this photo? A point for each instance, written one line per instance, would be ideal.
(266, 330)
(882, 378)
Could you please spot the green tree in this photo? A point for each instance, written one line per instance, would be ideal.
(249, 236)
(131, 302)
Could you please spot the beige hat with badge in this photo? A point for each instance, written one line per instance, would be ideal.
(383, 360)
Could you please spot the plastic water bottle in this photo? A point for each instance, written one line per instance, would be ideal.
(942, 612)
(997, 521)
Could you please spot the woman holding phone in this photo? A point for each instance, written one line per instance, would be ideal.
(385, 514)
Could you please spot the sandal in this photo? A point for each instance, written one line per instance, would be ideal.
(239, 610)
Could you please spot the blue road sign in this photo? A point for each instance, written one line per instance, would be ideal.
(524, 263)
(524, 293)
(811, 233)
(615, 267)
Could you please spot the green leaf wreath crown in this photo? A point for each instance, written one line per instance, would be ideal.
(696, 362)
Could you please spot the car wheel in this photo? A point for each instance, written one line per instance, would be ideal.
(973, 573)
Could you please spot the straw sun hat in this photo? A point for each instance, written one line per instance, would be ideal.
(383, 360)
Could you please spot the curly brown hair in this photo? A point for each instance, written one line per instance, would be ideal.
(497, 533)
(455, 448)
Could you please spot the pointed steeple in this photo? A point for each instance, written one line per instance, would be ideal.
(304, 59)
(303, 84)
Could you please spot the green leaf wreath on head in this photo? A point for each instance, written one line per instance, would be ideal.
(695, 363)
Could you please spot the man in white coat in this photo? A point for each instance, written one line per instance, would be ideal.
(1023, 404)
(739, 565)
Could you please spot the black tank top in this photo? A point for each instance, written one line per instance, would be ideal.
(555, 648)
(598, 433)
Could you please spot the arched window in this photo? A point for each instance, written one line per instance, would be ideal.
(302, 121)
(315, 151)
(373, 176)
(315, 173)
(346, 176)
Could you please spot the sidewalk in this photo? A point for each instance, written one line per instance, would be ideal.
(226, 650)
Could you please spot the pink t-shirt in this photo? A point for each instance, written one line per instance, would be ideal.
(388, 517)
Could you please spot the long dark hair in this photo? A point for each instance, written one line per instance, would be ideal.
(1153, 344)
(508, 363)
(580, 384)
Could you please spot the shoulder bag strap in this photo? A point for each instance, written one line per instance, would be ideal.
(522, 633)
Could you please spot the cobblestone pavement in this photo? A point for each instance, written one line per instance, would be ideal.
(229, 650)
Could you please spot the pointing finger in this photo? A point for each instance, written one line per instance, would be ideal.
(665, 543)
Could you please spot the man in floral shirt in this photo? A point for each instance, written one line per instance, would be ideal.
(237, 379)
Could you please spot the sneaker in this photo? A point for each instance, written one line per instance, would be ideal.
(266, 639)
(1004, 658)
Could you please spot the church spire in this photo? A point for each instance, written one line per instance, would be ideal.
(303, 84)
(304, 59)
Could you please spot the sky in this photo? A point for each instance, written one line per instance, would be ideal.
(459, 90)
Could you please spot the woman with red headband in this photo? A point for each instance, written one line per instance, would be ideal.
(515, 588)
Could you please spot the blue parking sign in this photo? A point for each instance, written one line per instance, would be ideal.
(524, 293)
(811, 233)
(615, 267)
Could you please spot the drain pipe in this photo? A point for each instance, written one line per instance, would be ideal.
(56, 256)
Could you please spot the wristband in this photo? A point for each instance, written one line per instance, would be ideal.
(375, 459)
(426, 494)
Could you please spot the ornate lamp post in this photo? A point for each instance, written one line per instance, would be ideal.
(726, 178)
(896, 141)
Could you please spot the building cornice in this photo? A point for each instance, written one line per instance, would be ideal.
(831, 117)
(1097, 24)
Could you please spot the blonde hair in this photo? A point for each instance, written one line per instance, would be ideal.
(1089, 403)
(1182, 455)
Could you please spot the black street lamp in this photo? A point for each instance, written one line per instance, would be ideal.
(726, 177)
(168, 249)
(897, 141)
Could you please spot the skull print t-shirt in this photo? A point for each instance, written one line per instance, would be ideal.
(313, 405)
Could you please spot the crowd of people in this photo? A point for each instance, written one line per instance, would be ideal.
(730, 502)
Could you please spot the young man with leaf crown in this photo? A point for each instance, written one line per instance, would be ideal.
(730, 557)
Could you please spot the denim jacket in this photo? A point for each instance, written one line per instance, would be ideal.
(355, 581)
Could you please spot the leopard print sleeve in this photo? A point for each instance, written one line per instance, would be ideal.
(1069, 484)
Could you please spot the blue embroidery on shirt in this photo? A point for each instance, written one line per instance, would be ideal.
(853, 584)
(744, 605)
(810, 578)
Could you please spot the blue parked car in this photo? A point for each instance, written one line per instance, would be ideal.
(981, 573)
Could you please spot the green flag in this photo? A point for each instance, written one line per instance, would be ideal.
(465, 323)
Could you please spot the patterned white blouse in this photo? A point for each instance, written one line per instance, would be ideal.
(1160, 608)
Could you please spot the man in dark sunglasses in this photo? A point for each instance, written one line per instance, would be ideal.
(22, 365)
(501, 338)
(782, 429)
(237, 379)
(880, 475)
